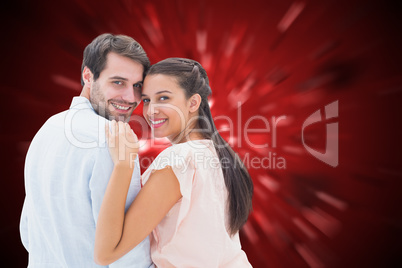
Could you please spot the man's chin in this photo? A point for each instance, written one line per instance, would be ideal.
(120, 117)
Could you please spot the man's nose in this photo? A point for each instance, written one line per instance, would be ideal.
(129, 95)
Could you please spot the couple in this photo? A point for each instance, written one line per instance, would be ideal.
(86, 204)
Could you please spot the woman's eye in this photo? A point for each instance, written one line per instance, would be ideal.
(164, 98)
(145, 100)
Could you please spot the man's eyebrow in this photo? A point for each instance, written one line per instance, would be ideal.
(124, 79)
(118, 78)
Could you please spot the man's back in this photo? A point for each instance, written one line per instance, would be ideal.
(66, 173)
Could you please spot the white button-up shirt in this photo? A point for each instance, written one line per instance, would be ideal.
(67, 169)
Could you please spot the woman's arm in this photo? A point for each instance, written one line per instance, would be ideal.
(116, 233)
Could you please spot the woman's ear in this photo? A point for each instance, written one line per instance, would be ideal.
(195, 102)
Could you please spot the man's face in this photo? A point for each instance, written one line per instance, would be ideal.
(117, 91)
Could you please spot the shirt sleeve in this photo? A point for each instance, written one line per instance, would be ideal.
(102, 170)
(24, 226)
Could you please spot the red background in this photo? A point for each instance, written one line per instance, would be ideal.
(309, 214)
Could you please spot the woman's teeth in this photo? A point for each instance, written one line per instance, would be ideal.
(157, 122)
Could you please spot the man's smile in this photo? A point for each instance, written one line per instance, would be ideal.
(121, 106)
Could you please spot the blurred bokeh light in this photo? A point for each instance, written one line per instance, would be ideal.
(281, 60)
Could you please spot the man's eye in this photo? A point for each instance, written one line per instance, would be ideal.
(139, 85)
(118, 82)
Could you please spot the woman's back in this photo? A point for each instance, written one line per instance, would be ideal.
(194, 232)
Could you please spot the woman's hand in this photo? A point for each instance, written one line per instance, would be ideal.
(122, 142)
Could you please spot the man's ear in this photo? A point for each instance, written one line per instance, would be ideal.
(195, 102)
(87, 76)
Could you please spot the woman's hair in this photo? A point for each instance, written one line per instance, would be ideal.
(95, 54)
(192, 77)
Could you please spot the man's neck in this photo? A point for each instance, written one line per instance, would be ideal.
(85, 92)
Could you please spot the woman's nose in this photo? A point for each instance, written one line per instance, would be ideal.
(152, 109)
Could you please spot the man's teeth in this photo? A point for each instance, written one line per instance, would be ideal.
(158, 122)
(120, 107)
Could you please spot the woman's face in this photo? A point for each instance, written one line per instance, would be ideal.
(166, 107)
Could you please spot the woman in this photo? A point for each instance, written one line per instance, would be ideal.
(196, 195)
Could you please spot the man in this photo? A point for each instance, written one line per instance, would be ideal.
(68, 165)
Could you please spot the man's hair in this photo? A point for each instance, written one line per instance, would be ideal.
(95, 54)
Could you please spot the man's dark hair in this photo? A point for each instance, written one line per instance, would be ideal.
(95, 54)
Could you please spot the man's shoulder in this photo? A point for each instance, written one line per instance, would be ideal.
(57, 117)
(82, 126)
(54, 121)
(86, 125)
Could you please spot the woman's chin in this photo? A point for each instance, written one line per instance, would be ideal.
(158, 135)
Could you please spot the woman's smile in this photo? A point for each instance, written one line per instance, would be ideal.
(155, 123)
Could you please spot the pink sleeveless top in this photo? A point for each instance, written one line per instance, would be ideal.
(194, 232)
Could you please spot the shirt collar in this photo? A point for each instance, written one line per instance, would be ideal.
(81, 103)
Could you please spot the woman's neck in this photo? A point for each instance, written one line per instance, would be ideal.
(186, 137)
(188, 134)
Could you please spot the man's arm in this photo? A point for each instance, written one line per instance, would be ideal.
(102, 170)
(116, 232)
(24, 226)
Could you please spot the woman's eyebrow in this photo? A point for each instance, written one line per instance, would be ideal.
(163, 91)
(159, 92)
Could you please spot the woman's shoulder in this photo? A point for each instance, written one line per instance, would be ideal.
(187, 148)
(185, 152)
